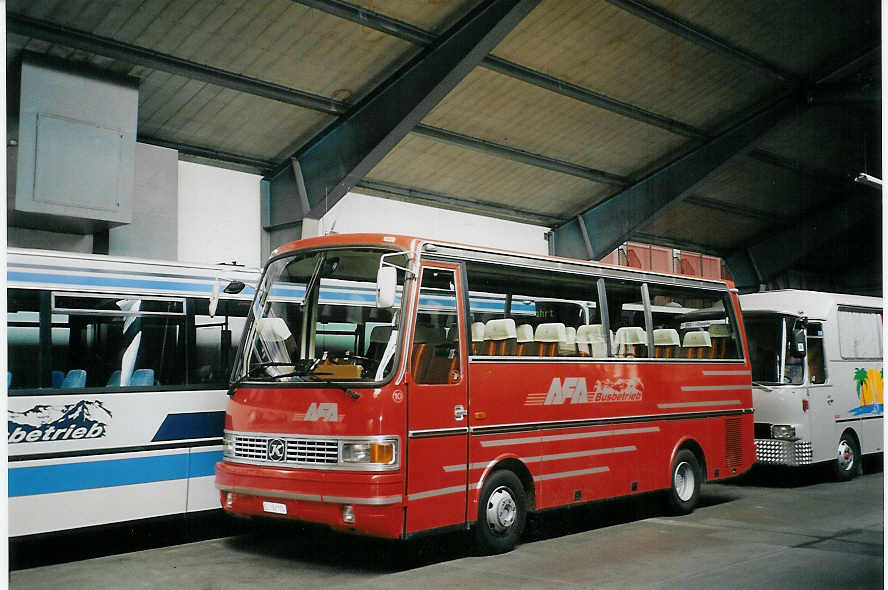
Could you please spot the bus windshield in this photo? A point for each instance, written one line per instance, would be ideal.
(768, 344)
(315, 318)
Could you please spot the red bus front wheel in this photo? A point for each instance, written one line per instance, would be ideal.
(502, 513)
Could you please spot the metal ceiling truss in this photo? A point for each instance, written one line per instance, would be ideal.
(324, 170)
(209, 153)
(440, 200)
(695, 35)
(74, 39)
(517, 155)
(612, 221)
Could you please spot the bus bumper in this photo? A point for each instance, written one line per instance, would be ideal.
(374, 501)
(775, 451)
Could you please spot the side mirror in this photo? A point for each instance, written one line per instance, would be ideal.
(386, 280)
(799, 343)
(234, 287)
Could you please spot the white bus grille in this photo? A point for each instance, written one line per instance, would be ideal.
(783, 452)
(299, 451)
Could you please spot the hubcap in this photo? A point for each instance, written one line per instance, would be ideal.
(683, 481)
(501, 510)
(845, 455)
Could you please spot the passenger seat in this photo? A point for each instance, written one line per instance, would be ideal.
(547, 337)
(500, 337)
(591, 341)
(526, 345)
(667, 343)
(697, 345)
(631, 342)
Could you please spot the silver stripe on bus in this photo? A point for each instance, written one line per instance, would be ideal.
(741, 386)
(727, 372)
(578, 435)
(438, 492)
(706, 404)
(555, 457)
(371, 501)
(437, 432)
(571, 473)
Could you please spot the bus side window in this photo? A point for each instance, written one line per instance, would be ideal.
(625, 309)
(435, 350)
(815, 358)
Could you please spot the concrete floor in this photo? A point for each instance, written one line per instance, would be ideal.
(767, 531)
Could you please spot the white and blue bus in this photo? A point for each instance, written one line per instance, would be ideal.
(117, 376)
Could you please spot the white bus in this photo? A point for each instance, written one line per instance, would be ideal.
(117, 377)
(817, 377)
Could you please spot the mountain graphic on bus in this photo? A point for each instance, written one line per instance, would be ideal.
(84, 419)
(869, 391)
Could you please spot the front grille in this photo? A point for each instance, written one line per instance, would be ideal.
(299, 451)
(783, 452)
(314, 452)
(251, 447)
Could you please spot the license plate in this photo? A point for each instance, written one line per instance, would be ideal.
(274, 507)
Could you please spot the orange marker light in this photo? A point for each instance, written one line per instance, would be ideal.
(480, 415)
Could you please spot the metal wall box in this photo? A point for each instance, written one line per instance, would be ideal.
(76, 149)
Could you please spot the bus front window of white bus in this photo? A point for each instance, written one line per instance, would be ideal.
(768, 337)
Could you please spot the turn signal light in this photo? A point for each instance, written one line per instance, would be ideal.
(382, 453)
(804, 405)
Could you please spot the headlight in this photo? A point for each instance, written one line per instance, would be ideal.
(228, 444)
(783, 431)
(380, 453)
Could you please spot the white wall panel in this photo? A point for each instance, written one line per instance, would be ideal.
(218, 215)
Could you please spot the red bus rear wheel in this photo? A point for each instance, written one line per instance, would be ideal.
(684, 492)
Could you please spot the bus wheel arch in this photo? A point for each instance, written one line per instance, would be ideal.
(506, 496)
(849, 459)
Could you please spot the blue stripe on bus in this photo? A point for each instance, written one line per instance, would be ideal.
(191, 425)
(48, 479)
(32, 277)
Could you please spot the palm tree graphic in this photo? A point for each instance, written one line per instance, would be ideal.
(860, 378)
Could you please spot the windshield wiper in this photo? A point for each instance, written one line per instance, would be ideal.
(352, 393)
(765, 387)
(309, 373)
(251, 373)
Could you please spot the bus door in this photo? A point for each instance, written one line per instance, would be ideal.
(437, 404)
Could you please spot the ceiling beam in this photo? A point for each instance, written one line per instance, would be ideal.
(517, 155)
(613, 221)
(689, 32)
(209, 153)
(414, 195)
(322, 172)
(104, 46)
(732, 209)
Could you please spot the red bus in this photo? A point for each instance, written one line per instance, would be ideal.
(392, 386)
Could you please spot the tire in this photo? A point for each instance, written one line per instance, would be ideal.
(848, 460)
(502, 513)
(684, 491)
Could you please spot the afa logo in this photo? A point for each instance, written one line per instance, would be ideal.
(328, 412)
(575, 391)
(82, 420)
